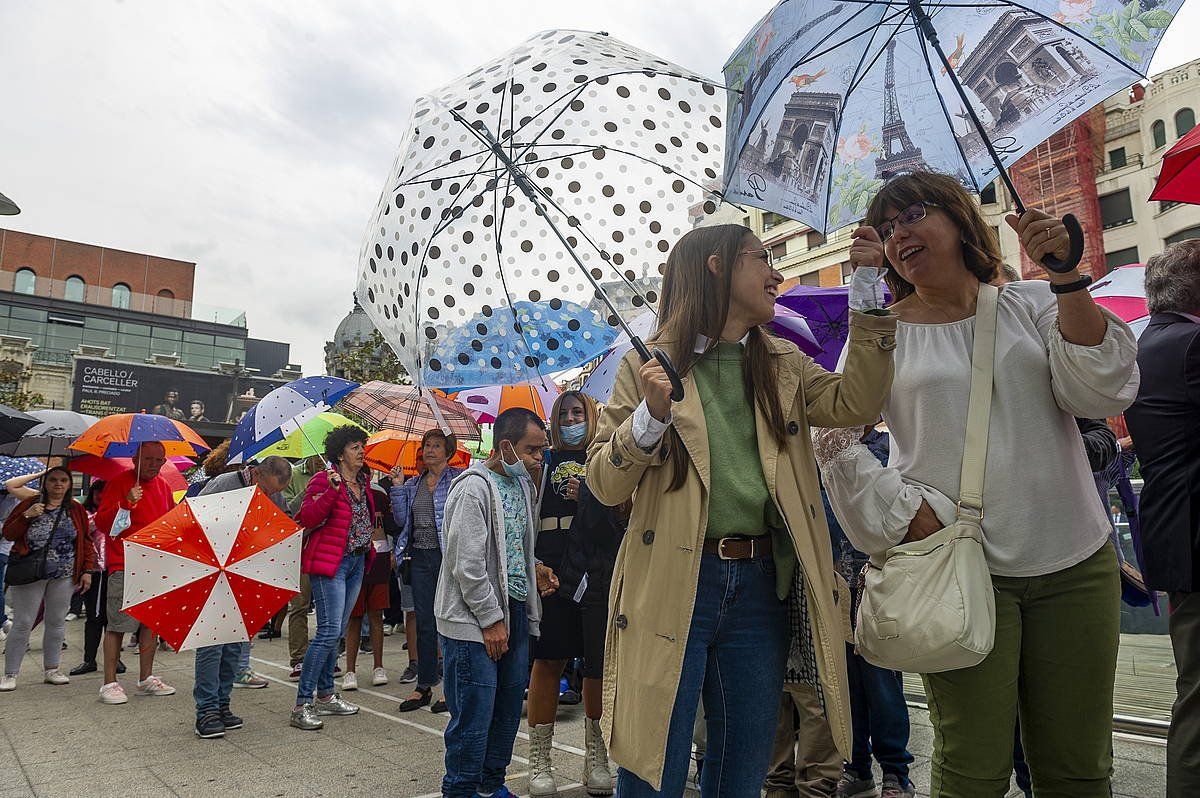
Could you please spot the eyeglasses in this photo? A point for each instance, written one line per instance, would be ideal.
(907, 217)
(763, 254)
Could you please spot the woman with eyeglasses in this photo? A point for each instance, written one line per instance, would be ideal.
(725, 579)
(1058, 355)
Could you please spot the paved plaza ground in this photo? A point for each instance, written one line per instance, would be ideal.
(60, 741)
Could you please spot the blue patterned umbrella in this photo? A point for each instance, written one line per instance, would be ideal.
(830, 98)
(11, 467)
(283, 411)
(559, 334)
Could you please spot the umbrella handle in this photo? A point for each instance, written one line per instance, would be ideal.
(1075, 255)
(665, 361)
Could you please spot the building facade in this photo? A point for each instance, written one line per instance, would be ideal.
(1138, 127)
(62, 300)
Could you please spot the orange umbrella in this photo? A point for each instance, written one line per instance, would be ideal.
(488, 402)
(387, 449)
(121, 435)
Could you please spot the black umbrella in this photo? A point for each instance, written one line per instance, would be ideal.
(52, 436)
(14, 423)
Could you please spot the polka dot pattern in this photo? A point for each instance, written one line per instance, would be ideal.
(457, 262)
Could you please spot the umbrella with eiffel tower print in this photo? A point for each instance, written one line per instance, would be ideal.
(830, 98)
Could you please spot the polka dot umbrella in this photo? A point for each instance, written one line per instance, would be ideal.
(561, 172)
(213, 570)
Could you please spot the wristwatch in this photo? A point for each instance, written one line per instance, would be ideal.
(1069, 288)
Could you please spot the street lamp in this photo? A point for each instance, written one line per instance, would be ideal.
(8, 207)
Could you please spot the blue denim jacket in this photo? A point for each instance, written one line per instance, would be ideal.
(402, 497)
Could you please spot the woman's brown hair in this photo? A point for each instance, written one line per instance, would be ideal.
(981, 249)
(590, 415)
(448, 439)
(695, 302)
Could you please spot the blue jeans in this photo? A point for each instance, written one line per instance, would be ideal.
(334, 597)
(484, 697)
(880, 719)
(426, 565)
(736, 652)
(243, 663)
(215, 668)
(3, 568)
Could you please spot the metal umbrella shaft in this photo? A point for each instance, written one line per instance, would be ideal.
(523, 181)
(1074, 230)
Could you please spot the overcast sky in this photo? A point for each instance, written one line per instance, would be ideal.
(253, 137)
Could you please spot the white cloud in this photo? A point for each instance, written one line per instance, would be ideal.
(253, 137)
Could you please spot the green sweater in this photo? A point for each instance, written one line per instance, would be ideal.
(740, 503)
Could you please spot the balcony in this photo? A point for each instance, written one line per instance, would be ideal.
(122, 299)
(1132, 162)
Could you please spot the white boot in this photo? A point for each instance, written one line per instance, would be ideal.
(541, 774)
(597, 775)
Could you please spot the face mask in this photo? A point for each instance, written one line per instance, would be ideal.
(572, 434)
(516, 470)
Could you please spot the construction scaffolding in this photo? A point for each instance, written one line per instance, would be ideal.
(1059, 177)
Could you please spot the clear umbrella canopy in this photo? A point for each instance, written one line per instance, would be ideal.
(621, 149)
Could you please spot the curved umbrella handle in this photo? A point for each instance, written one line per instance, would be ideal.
(1075, 232)
(665, 361)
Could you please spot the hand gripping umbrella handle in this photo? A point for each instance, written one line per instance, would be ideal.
(1075, 232)
(665, 361)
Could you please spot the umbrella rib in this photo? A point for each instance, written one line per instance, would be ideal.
(854, 81)
(414, 181)
(810, 55)
(520, 328)
(946, 113)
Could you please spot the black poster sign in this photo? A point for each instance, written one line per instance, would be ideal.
(104, 387)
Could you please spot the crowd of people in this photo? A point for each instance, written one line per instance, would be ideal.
(676, 549)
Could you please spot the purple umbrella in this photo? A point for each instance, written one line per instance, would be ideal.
(827, 312)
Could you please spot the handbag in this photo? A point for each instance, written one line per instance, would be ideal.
(31, 566)
(928, 606)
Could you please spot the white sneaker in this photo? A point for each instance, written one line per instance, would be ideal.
(5, 629)
(55, 676)
(113, 693)
(379, 678)
(72, 616)
(350, 681)
(153, 685)
(8, 684)
(387, 630)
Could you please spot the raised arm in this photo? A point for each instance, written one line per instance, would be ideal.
(620, 454)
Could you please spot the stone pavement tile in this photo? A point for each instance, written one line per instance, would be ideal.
(131, 783)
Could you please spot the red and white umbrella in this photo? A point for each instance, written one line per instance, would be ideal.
(1123, 291)
(487, 403)
(213, 570)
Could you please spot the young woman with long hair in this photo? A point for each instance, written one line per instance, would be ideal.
(725, 577)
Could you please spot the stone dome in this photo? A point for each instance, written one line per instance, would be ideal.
(352, 330)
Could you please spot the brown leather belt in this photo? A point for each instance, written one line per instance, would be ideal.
(739, 548)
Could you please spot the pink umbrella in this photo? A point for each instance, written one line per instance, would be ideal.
(1123, 291)
(488, 402)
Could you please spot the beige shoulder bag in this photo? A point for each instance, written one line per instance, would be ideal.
(928, 606)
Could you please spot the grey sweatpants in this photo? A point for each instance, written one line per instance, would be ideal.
(25, 601)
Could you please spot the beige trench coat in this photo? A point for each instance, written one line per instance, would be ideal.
(658, 566)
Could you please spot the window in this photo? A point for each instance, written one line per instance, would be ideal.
(1122, 257)
(1182, 235)
(121, 295)
(164, 302)
(847, 272)
(1166, 205)
(815, 239)
(76, 288)
(988, 195)
(1116, 209)
(772, 220)
(1116, 158)
(779, 251)
(812, 279)
(1185, 120)
(1158, 132)
(25, 282)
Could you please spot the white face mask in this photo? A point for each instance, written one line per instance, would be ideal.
(573, 434)
(515, 470)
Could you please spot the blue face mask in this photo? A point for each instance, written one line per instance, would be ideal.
(573, 434)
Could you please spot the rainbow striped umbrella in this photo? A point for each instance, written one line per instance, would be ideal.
(120, 436)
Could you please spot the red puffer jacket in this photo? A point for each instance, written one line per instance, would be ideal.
(326, 511)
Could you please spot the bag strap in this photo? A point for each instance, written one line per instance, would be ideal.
(979, 406)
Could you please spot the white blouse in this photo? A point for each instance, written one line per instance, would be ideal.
(1041, 510)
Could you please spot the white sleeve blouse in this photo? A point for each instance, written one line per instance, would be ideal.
(1041, 510)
